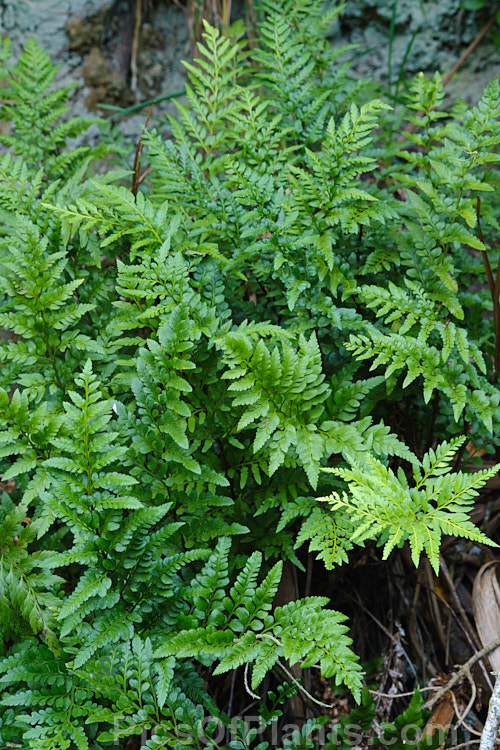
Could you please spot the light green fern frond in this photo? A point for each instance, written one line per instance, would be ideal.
(382, 505)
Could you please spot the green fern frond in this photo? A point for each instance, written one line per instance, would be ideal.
(382, 505)
(301, 630)
(35, 112)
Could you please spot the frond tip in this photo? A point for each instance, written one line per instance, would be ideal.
(382, 505)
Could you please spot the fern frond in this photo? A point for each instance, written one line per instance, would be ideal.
(382, 505)
(35, 112)
(301, 630)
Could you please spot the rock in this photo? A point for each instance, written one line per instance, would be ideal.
(106, 84)
(85, 32)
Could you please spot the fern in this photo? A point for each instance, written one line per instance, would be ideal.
(36, 113)
(284, 393)
(39, 307)
(24, 578)
(300, 631)
(382, 505)
(186, 367)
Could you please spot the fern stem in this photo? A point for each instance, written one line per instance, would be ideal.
(496, 306)
(231, 693)
(52, 359)
(494, 287)
(302, 688)
(432, 423)
(226, 467)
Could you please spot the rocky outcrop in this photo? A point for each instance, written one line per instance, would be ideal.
(93, 43)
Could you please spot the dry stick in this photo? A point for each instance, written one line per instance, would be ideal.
(301, 687)
(226, 12)
(462, 626)
(463, 620)
(471, 702)
(307, 591)
(462, 672)
(270, 637)
(135, 45)
(231, 697)
(231, 693)
(247, 686)
(489, 734)
(472, 46)
(443, 569)
(461, 717)
(486, 260)
(400, 695)
(465, 670)
(385, 630)
(145, 174)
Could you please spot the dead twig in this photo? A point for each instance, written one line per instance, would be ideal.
(385, 630)
(461, 716)
(462, 672)
(145, 174)
(400, 695)
(470, 703)
(472, 46)
(135, 46)
(472, 636)
(489, 735)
